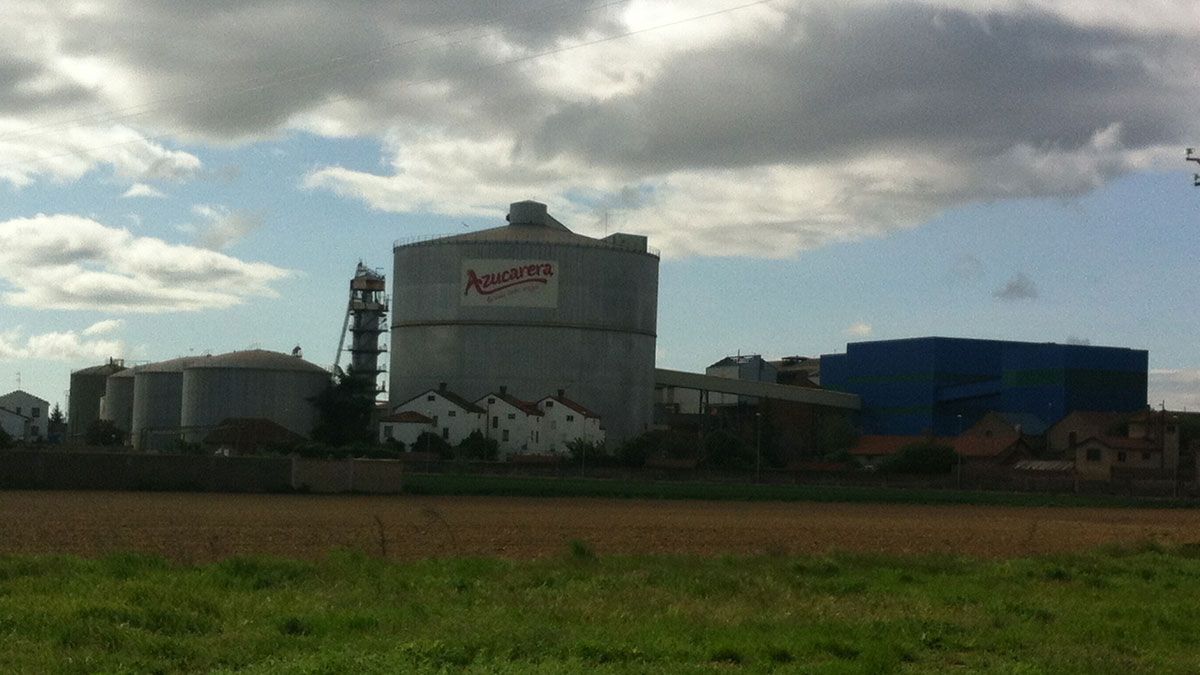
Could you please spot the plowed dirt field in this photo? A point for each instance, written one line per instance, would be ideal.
(205, 527)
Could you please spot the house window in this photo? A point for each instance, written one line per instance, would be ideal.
(435, 420)
(570, 418)
(1093, 454)
(512, 416)
(1071, 438)
(495, 421)
(491, 401)
(387, 431)
(431, 397)
(1120, 457)
(446, 433)
(504, 435)
(450, 413)
(549, 404)
(1145, 455)
(35, 412)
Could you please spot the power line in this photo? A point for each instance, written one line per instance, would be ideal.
(84, 152)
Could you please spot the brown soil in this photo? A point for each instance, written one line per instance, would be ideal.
(204, 527)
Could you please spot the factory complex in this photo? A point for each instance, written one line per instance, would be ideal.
(534, 337)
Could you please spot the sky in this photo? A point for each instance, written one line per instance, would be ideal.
(181, 178)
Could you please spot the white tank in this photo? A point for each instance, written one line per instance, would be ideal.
(250, 384)
(534, 307)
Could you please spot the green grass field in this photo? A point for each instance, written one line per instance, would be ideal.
(1113, 611)
(519, 486)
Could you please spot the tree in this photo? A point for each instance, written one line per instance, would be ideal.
(476, 446)
(835, 435)
(344, 411)
(103, 433)
(431, 442)
(6, 441)
(926, 458)
(724, 449)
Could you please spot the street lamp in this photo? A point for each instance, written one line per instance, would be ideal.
(757, 447)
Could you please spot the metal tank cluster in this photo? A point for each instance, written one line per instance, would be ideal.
(159, 404)
(531, 306)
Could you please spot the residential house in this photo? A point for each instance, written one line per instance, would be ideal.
(1150, 443)
(872, 449)
(404, 427)
(997, 438)
(454, 417)
(15, 426)
(1064, 435)
(514, 424)
(36, 412)
(565, 421)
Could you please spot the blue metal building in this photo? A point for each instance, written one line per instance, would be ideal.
(944, 385)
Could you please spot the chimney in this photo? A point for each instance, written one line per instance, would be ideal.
(441, 386)
(503, 390)
(562, 393)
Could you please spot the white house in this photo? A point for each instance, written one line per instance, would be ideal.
(16, 426)
(404, 427)
(454, 417)
(515, 424)
(564, 420)
(34, 410)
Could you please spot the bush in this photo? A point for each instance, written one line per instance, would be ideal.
(476, 446)
(431, 442)
(6, 441)
(927, 458)
(586, 451)
(725, 450)
(660, 443)
(104, 433)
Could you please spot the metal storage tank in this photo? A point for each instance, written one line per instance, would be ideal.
(253, 383)
(158, 404)
(83, 403)
(534, 307)
(118, 400)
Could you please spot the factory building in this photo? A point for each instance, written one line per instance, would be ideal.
(944, 386)
(533, 306)
(117, 404)
(88, 386)
(157, 404)
(250, 384)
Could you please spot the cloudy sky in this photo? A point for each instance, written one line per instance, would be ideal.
(182, 177)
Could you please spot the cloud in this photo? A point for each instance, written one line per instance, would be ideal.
(143, 190)
(1179, 387)
(763, 131)
(859, 329)
(103, 327)
(1020, 287)
(57, 346)
(222, 227)
(71, 262)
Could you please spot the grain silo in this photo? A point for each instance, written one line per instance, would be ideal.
(534, 307)
(250, 384)
(87, 388)
(118, 400)
(158, 404)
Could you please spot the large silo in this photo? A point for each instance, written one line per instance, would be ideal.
(250, 384)
(83, 403)
(534, 307)
(158, 404)
(118, 399)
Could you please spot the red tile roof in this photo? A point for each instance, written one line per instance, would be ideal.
(981, 445)
(527, 407)
(573, 405)
(407, 416)
(877, 445)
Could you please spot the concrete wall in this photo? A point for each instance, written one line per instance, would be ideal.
(123, 471)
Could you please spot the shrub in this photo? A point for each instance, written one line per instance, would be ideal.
(593, 453)
(724, 449)
(104, 433)
(660, 443)
(431, 442)
(927, 458)
(476, 446)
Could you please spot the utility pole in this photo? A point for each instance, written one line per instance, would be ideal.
(758, 447)
(1191, 156)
